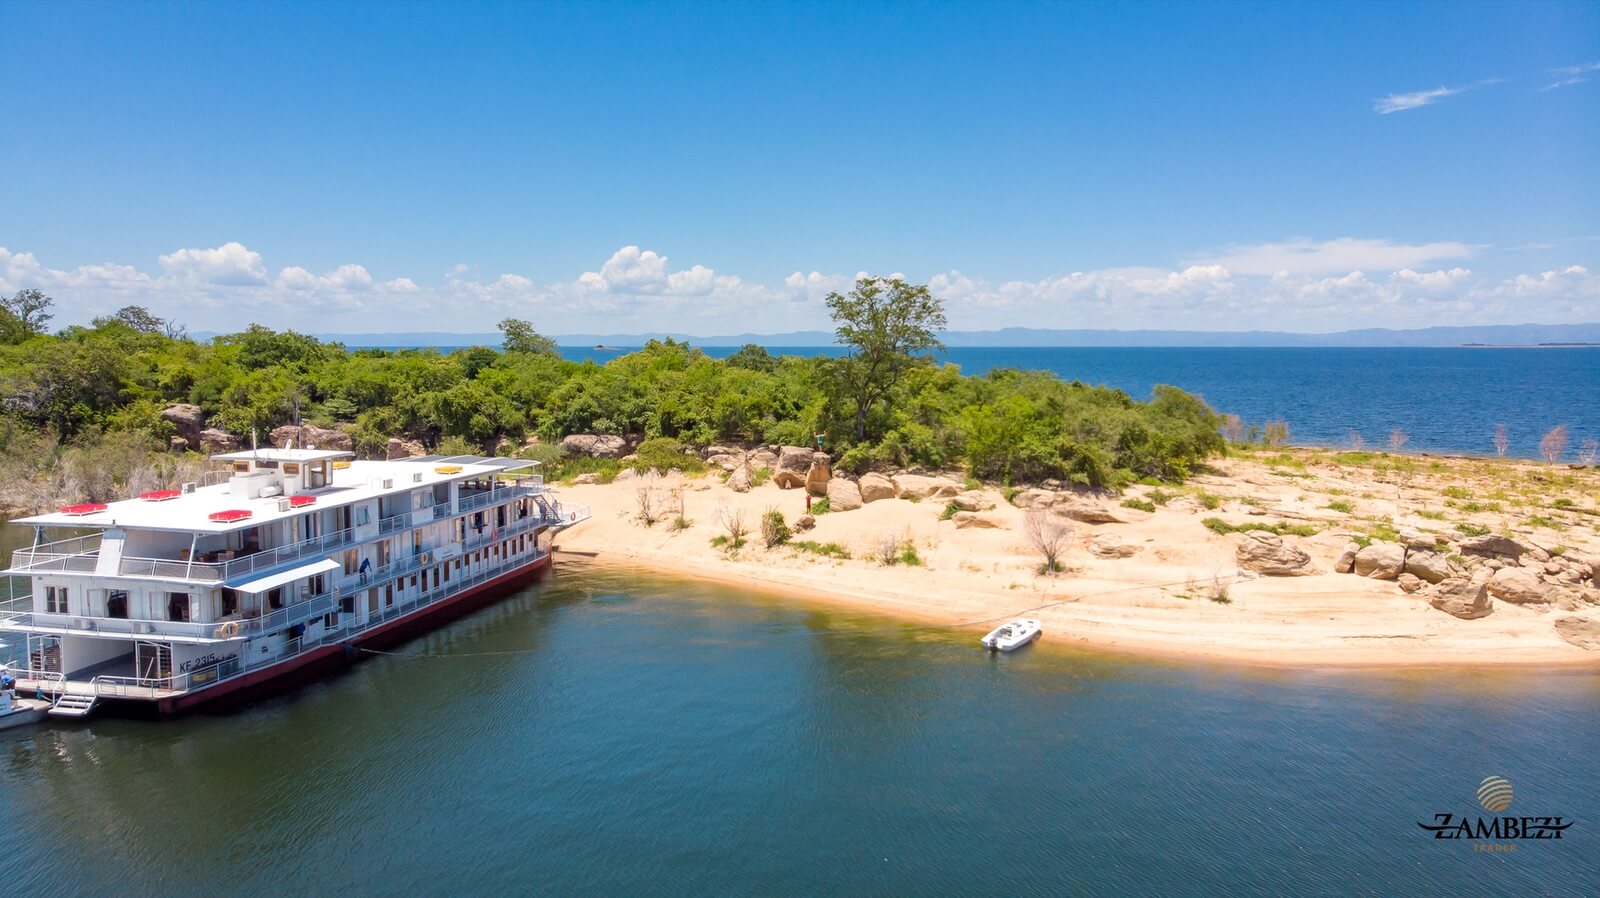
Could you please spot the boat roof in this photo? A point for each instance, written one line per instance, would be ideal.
(362, 480)
(271, 454)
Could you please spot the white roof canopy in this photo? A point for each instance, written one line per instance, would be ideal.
(271, 581)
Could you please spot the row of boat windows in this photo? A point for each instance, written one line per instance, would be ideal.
(433, 578)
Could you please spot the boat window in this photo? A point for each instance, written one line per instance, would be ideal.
(55, 599)
(117, 603)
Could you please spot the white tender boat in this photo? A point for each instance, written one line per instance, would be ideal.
(16, 712)
(1013, 635)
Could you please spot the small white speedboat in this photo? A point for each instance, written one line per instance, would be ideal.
(16, 712)
(1013, 635)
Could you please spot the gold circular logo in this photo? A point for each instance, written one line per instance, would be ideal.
(1495, 793)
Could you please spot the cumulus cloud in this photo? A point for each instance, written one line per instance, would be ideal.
(1303, 256)
(1291, 285)
(229, 265)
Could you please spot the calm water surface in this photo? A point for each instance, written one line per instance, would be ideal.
(646, 736)
(1446, 400)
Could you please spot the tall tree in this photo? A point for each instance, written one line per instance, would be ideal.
(886, 322)
(521, 337)
(26, 313)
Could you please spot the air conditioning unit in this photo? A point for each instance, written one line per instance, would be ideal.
(283, 504)
(189, 487)
(143, 627)
(417, 477)
(388, 483)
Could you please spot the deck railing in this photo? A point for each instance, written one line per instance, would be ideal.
(229, 668)
(221, 631)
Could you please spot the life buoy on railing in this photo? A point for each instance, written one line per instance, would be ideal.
(228, 630)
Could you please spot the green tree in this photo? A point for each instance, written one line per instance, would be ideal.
(24, 314)
(521, 337)
(136, 318)
(886, 322)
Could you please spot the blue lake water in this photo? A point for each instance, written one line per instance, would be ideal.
(1446, 400)
(617, 733)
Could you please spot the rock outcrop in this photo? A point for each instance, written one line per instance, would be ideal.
(1461, 597)
(1109, 545)
(1580, 631)
(818, 474)
(594, 445)
(1520, 587)
(1346, 562)
(739, 480)
(189, 420)
(874, 487)
(1492, 546)
(725, 461)
(1267, 553)
(972, 500)
(918, 486)
(1381, 561)
(310, 436)
(214, 440)
(398, 448)
(1429, 566)
(968, 520)
(843, 495)
(794, 462)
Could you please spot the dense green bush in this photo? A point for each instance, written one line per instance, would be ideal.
(85, 383)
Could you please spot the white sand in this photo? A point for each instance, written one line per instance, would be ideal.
(977, 576)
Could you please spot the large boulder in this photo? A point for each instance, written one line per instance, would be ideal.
(969, 520)
(725, 461)
(1109, 545)
(1410, 583)
(1520, 587)
(918, 486)
(818, 474)
(763, 458)
(310, 436)
(874, 487)
(1080, 509)
(214, 440)
(794, 462)
(594, 445)
(1580, 631)
(1492, 546)
(398, 448)
(739, 480)
(843, 495)
(1461, 597)
(1346, 562)
(1267, 553)
(1429, 566)
(972, 500)
(1034, 498)
(1381, 561)
(187, 419)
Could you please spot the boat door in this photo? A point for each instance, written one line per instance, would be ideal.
(152, 660)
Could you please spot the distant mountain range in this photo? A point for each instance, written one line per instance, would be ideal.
(1493, 334)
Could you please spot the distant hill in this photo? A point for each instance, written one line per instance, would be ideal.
(1494, 335)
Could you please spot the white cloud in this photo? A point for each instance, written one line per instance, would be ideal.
(1303, 256)
(1571, 74)
(1293, 285)
(1420, 98)
(229, 265)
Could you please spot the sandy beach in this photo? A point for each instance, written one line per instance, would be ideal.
(1153, 586)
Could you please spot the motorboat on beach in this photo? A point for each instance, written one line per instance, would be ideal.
(1013, 635)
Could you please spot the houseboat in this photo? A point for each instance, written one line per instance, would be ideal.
(293, 561)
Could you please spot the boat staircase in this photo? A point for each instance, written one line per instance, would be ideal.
(72, 704)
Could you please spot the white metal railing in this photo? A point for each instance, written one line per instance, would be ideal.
(229, 668)
(221, 631)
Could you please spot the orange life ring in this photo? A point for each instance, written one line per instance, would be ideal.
(228, 630)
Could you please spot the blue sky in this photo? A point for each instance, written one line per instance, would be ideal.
(717, 167)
